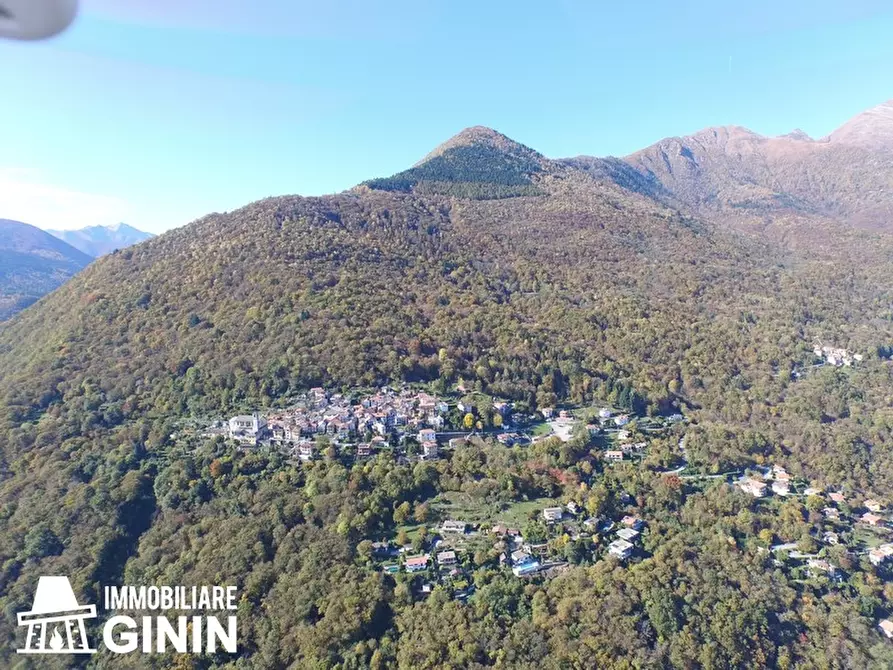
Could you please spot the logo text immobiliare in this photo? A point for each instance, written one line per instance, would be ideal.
(56, 622)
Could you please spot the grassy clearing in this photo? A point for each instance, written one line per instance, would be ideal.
(869, 537)
(541, 430)
(412, 529)
(516, 515)
(462, 507)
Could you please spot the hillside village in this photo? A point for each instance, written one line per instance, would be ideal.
(419, 424)
(415, 424)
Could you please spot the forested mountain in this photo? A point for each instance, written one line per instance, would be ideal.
(477, 163)
(541, 281)
(98, 241)
(32, 263)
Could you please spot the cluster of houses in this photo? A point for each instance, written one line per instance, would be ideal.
(627, 536)
(778, 481)
(563, 422)
(421, 562)
(378, 417)
(775, 479)
(627, 448)
(523, 557)
(836, 356)
(873, 516)
(375, 420)
(524, 563)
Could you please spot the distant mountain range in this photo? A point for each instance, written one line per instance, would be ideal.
(733, 174)
(728, 174)
(98, 241)
(32, 263)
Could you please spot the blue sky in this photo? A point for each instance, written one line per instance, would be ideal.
(155, 112)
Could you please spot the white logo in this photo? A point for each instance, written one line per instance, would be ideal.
(56, 620)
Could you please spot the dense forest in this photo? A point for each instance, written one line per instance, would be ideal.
(582, 293)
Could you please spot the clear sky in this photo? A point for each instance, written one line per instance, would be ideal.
(155, 112)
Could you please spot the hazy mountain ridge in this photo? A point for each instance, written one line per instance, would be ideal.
(32, 263)
(98, 241)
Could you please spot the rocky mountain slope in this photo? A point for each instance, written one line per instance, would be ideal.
(734, 173)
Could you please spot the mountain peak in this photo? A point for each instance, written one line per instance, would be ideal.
(797, 134)
(478, 163)
(483, 136)
(873, 128)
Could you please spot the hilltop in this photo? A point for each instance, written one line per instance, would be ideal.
(477, 163)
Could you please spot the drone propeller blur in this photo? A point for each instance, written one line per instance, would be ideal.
(35, 19)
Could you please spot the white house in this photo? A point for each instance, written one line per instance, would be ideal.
(523, 563)
(446, 558)
(552, 514)
(620, 548)
(880, 554)
(417, 563)
(305, 451)
(246, 425)
(451, 526)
